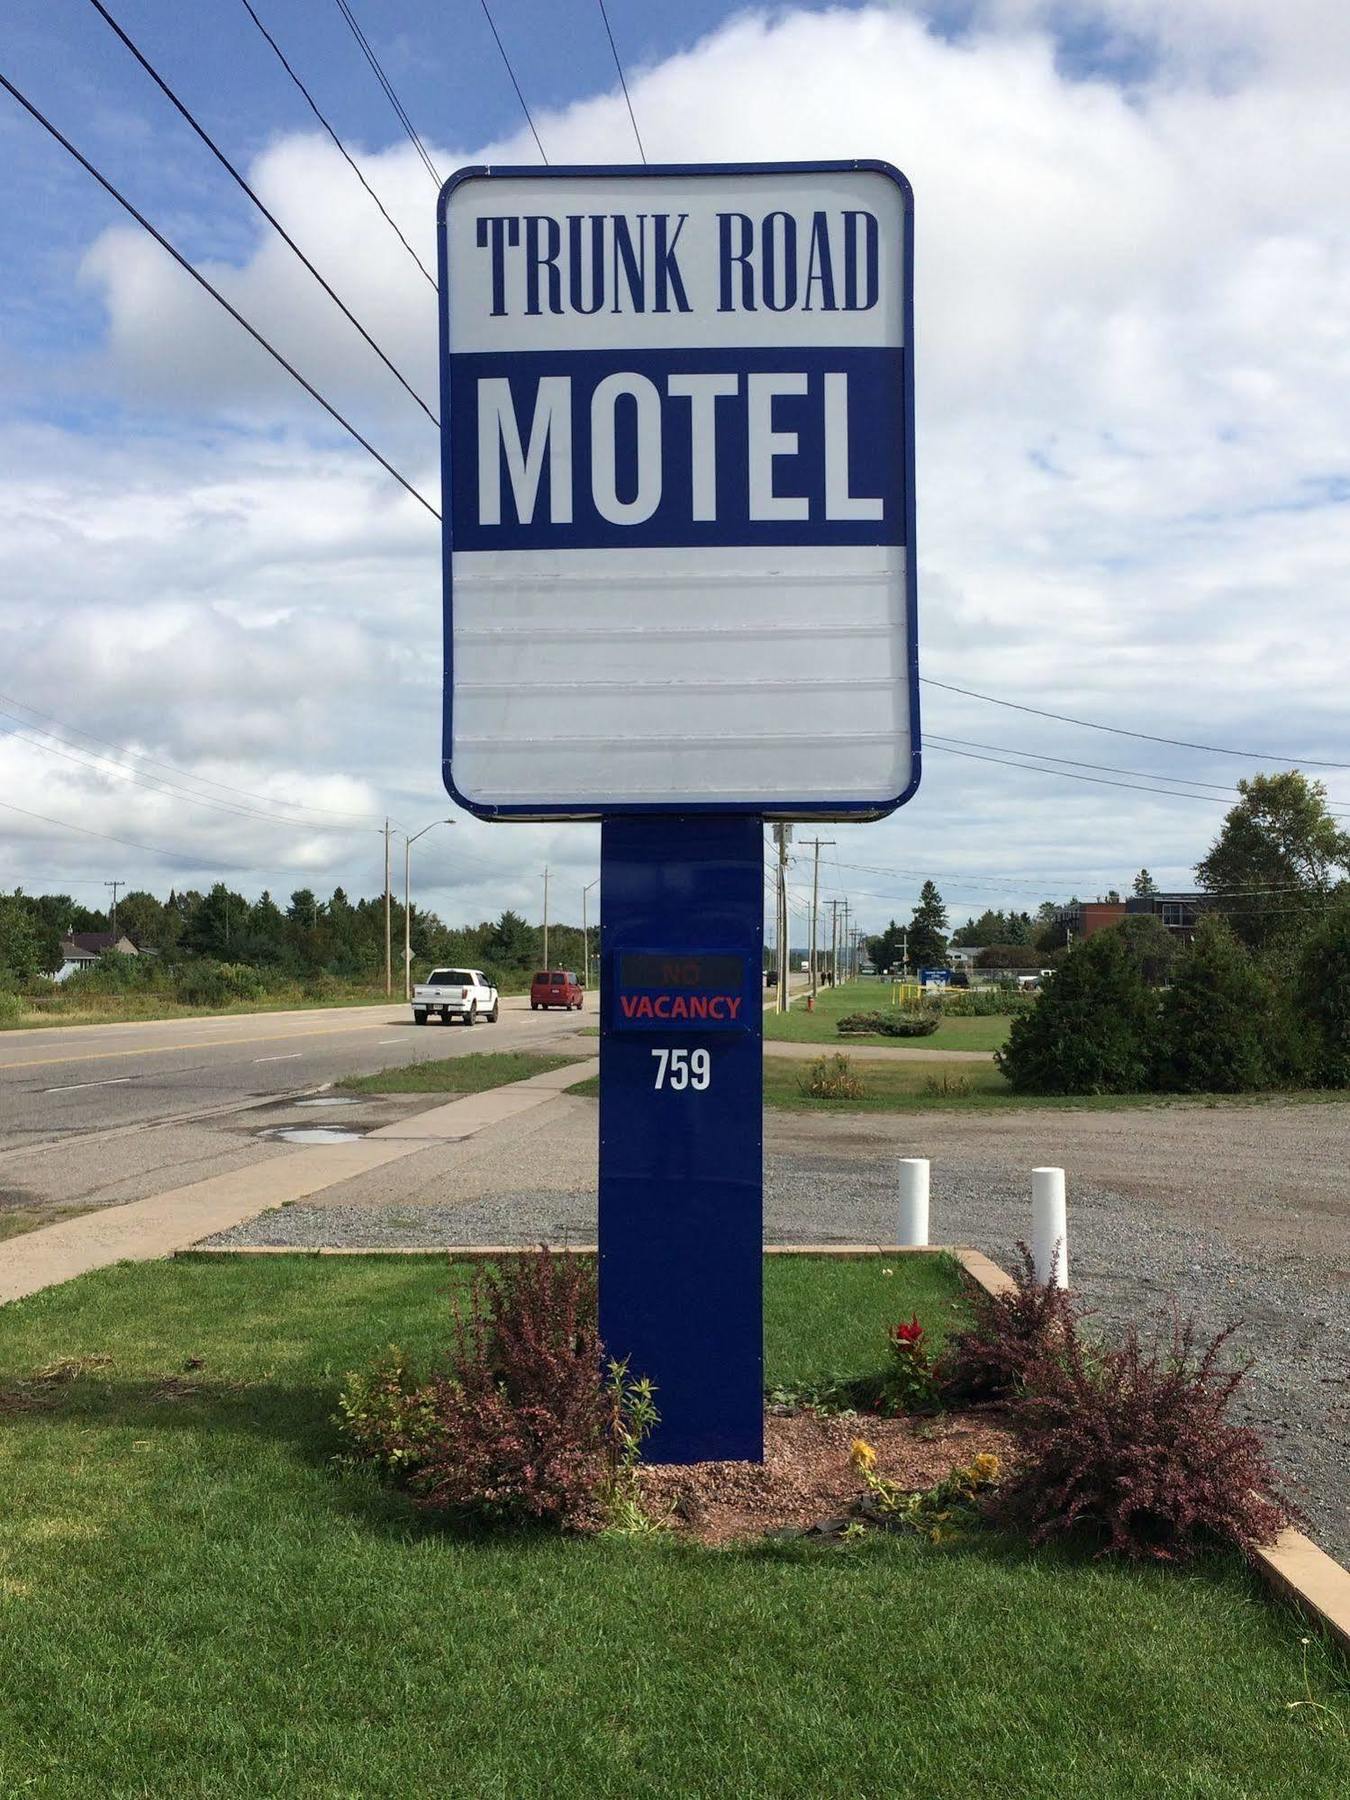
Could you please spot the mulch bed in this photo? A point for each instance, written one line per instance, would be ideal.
(806, 1480)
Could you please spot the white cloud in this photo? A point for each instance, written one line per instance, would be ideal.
(1133, 372)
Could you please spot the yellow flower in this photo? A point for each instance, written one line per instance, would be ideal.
(862, 1455)
(985, 1467)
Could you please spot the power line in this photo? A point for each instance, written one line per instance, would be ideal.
(281, 231)
(154, 762)
(943, 743)
(1068, 775)
(108, 837)
(393, 98)
(614, 51)
(101, 765)
(342, 148)
(514, 83)
(1120, 731)
(214, 292)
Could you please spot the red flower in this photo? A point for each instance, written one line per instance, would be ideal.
(910, 1335)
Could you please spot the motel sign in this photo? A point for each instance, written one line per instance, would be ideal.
(680, 599)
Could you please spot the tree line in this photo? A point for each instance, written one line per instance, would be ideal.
(1277, 866)
(338, 939)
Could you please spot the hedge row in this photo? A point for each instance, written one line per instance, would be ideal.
(1222, 1027)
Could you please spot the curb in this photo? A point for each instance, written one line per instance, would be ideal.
(978, 1267)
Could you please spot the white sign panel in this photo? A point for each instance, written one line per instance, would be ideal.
(678, 490)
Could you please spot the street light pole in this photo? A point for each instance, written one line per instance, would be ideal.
(408, 843)
(585, 939)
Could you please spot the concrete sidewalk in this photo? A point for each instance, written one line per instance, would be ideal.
(872, 1052)
(170, 1221)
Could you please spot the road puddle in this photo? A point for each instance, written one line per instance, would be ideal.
(312, 1134)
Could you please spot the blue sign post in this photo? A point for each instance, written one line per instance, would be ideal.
(677, 464)
(681, 1140)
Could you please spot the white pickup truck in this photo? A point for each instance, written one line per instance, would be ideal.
(465, 994)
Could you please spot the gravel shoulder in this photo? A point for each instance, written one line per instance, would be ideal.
(1232, 1214)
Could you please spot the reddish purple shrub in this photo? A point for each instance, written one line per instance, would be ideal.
(525, 1428)
(1010, 1333)
(1133, 1445)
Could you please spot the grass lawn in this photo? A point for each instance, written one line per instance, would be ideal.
(131, 1009)
(797, 1026)
(468, 1074)
(192, 1602)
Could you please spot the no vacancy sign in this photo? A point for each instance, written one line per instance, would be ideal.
(678, 483)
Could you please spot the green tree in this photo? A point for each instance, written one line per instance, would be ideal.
(1217, 1031)
(928, 930)
(21, 949)
(1323, 996)
(147, 921)
(1153, 947)
(990, 928)
(208, 928)
(1144, 883)
(1018, 929)
(1091, 1031)
(510, 941)
(1276, 849)
(888, 950)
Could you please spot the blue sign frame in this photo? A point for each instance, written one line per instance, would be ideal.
(787, 809)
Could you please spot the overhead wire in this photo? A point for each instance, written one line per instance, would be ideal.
(1233, 796)
(214, 292)
(341, 147)
(392, 97)
(529, 120)
(614, 52)
(101, 765)
(180, 856)
(172, 768)
(1068, 775)
(1120, 731)
(190, 117)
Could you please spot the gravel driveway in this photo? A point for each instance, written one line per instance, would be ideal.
(1228, 1213)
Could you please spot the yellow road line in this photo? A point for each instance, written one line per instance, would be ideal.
(43, 1062)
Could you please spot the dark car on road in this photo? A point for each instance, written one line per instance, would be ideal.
(556, 987)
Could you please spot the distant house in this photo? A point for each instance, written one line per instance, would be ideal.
(1180, 913)
(83, 948)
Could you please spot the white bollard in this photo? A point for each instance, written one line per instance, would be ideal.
(913, 1201)
(1049, 1226)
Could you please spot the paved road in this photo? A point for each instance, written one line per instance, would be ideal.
(94, 1115)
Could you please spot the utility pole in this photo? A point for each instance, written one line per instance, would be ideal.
(904, 953)
(834, 942)
(114, 885)
(388, 927)
(585, 936)
(782, 836)
(815, 844)
(844, 943)
(546, 964)
(408, 843)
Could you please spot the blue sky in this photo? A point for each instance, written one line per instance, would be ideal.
(1133, 362)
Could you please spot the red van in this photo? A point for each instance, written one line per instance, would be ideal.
(556, 987)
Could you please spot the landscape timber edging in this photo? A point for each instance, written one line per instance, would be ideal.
(988, 1275)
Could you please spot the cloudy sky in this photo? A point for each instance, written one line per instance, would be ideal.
(1133, 380)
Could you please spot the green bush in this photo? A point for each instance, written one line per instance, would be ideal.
(1091, 1031)
(888, 1024)
(1218, 1031)
(1322, 995)
(832, 1078)
(1002, 1000)
(10, 1005)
